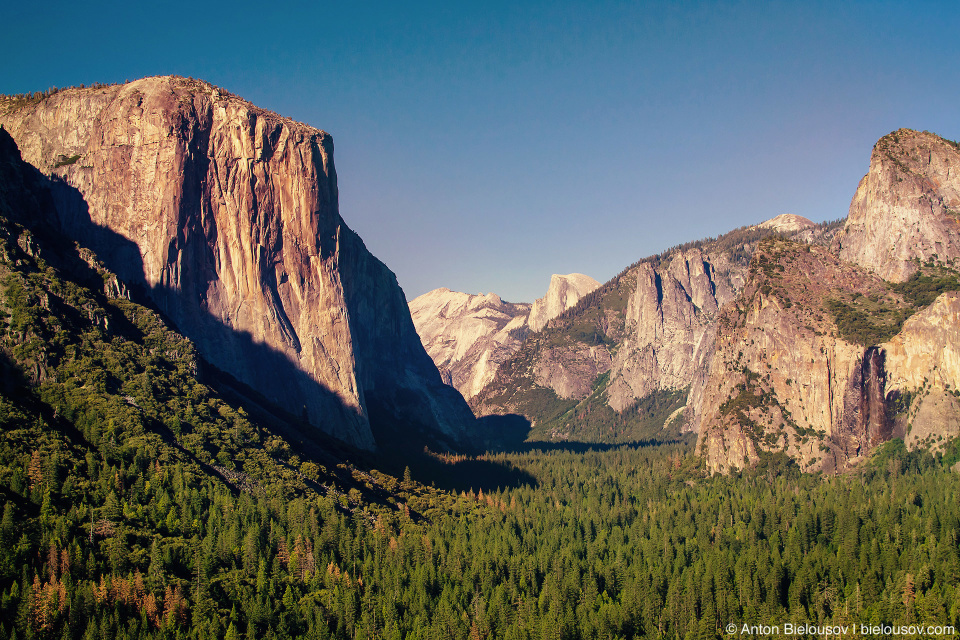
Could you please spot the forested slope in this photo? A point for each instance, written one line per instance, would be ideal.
(136, 499)
(138, 503)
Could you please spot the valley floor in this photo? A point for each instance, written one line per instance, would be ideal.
(625, 542)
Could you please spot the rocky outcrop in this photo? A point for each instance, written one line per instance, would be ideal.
(226, 218)
(907, 208)
(670, 318)
(617, 364)
(468, 336)
(789, 374)
(570, 372)
(814, 358)
(923, 374)
(564, 292)
(787, 223)
(781, 379)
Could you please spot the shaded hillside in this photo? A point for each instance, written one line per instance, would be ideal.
(137, 500)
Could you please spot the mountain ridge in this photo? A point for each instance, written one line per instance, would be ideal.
(625, 356)
(711, 337)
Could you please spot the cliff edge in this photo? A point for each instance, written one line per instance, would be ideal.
(226, 218)
(906, 210)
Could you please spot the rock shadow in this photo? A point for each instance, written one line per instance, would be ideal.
(456, 472)
(509, 434)
(57, 214)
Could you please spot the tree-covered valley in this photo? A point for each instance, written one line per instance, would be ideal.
(139, 502)
(149, 492)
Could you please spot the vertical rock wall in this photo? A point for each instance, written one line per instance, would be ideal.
(670, 324)
(906, 208)
(226, 217)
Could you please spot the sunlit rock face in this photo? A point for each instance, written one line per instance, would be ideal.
(781, 379)
(670, 319)
(784, 378)
(469, 336)
(226, 217)
(907, 208)
(564, 292)
(923, 374)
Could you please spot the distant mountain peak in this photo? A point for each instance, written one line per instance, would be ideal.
(466, 335)
(787, 223)
(469, 336)
(564, 292)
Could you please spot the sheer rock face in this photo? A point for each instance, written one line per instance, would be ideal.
(906, 208)
(669, 329)
(564, 292)
(226, 216)
(923, 360)
(927, 349)
(468, 336)
(783, 380)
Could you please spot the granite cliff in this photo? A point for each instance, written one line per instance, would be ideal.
(225, 217)
(469, 336)
(826, 354)
(923, 374)
(669, 323)
(907, 208)
(564, 292)
(824, 361)
(780, 377)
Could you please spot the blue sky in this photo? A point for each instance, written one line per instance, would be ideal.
(485, 146)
